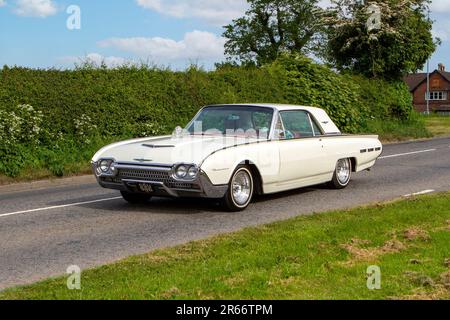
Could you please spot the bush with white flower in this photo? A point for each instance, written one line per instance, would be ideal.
(84, 128)
(147, 129)
(22, 124)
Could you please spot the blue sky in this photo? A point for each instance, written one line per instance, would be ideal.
(174, 33)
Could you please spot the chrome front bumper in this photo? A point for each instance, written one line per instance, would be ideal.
(129, 177)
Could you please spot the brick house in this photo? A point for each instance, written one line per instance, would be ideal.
(439, 90)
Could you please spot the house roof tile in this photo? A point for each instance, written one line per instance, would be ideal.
(415, 79)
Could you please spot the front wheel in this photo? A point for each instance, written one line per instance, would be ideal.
(240, 190)
(342, 174)
(135, 197)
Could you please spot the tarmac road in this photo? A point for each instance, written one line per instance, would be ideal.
(43, 231)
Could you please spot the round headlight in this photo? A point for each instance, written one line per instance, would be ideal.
(104, 165)
(112, 167)
(181, 171)
(192, 172)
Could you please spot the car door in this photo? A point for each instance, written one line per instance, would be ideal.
(300, 147)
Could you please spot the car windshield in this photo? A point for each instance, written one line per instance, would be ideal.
(247, 121)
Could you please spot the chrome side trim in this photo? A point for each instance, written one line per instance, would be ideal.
(153, 146)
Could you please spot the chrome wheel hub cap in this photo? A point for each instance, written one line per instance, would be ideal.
(242, 188)
(343, 171)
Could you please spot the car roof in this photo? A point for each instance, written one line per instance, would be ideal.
(319, 114)
(278, 106)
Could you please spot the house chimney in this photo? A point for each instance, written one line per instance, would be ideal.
(441, 67)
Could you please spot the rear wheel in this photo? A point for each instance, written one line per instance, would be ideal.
(240, 190)
(135, 197)
(342, 174)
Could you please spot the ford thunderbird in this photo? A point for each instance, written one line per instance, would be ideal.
(232, 152)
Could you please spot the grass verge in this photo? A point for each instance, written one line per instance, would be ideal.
(324, 256)
(438, 125)
(31, 175)
(391, 131)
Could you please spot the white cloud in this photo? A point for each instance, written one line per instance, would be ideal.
(217, 12)
(440, 6)
(35, 8)
(195, 45)
(110, 61)
(97, 60)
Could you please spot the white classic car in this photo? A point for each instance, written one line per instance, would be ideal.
(232, 152)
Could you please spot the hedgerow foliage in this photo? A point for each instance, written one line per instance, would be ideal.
(54, 118)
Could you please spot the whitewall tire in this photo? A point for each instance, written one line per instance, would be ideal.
(342, 174)
(240, 190)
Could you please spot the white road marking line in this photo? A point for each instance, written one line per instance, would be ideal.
(419, 193)
(407, 154)
(57, 207)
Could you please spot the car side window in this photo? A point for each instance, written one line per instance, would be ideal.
(297, 125)
(279, 129)
(317, 131)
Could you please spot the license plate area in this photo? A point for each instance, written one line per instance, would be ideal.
(145, 187)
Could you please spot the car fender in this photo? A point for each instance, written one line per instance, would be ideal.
(220, 166)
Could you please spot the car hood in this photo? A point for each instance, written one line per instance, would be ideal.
(169, 150)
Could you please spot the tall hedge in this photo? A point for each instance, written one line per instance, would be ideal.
(78, 110)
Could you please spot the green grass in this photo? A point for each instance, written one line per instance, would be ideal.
(396, 130)
(438, 125)
(324, 256)
(36, 174)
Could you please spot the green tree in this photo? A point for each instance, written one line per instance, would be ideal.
(270, 27)
(380, 38)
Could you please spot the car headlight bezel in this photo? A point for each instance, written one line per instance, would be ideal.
(105, 167)
(192, 172)
(181, 171)
(185, 172)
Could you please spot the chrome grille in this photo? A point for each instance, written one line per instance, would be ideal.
(157, 176)
(182, 185)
